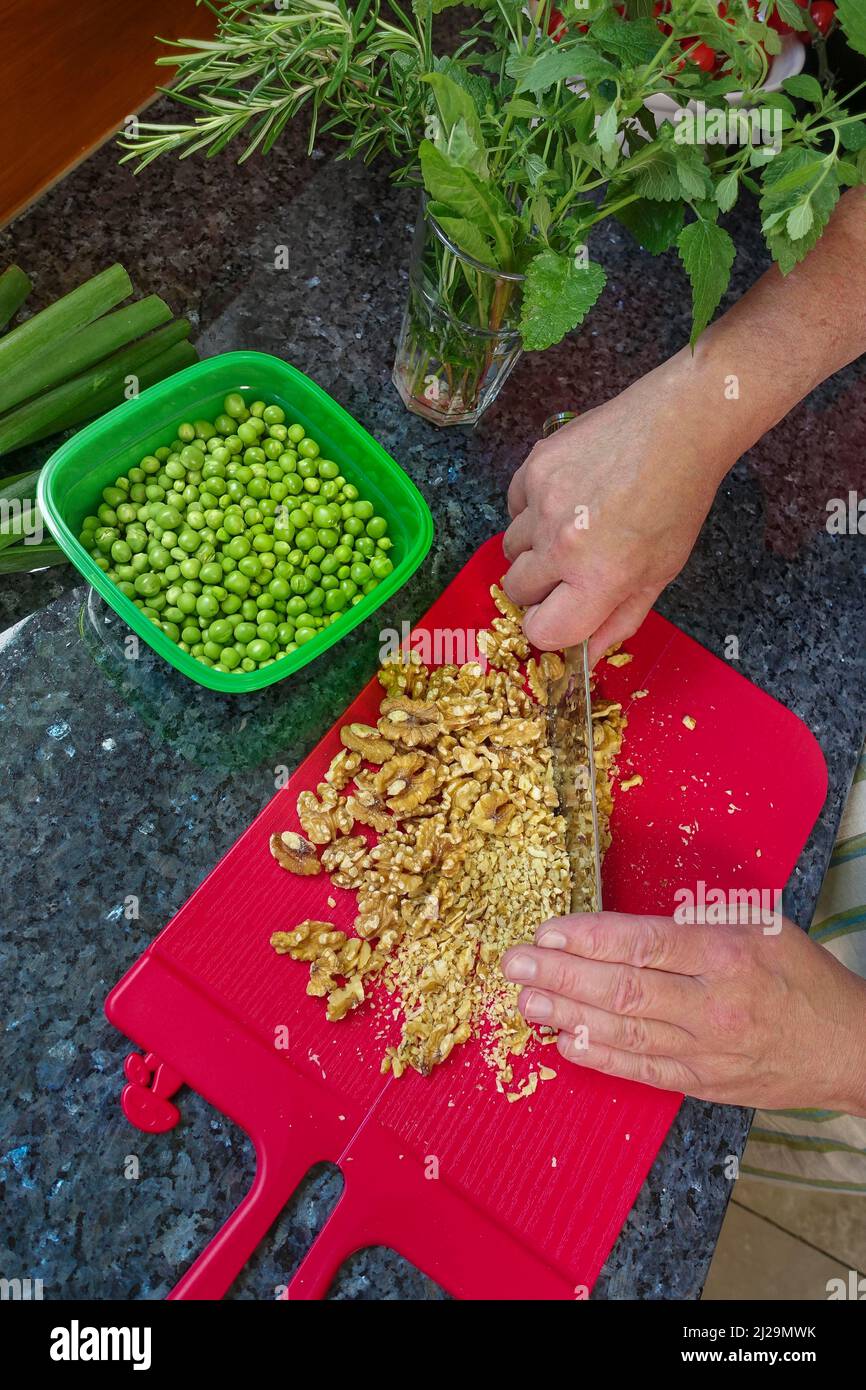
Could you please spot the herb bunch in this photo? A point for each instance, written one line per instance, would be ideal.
(536, 128)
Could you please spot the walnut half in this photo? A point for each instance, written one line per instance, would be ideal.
(294, 853)
(413, 723)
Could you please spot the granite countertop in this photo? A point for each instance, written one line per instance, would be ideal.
(133, 782)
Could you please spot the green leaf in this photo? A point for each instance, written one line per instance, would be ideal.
(606, 130)
(653, 225)
(692, 173)
(477, 86)
(541, 213)
(853, 136)
(852, 16)
(467, 196)
(791, 13)
(848, 173)
(787, 174)
(466, 235)
(557, 296)
(799, 221)
(633, 41)
(455, 104)
(727, 191)
(536, 72)
(465, 151)
(707, 252)
(805, 87)
(520, 108)
(656, 175)
(794, 179)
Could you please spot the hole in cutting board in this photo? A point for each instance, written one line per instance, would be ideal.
(378, 1274)
(280, 1252)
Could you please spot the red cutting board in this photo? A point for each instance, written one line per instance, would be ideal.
(493, 1200)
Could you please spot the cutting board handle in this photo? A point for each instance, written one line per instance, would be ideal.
(279, 1170)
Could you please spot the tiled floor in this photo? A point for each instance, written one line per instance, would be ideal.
(785, 1242)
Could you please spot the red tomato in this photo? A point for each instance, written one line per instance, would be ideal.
(703, 55)
(556, 26)
(823, 13)
(662, 7)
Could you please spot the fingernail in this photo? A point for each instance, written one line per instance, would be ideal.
(538, 1008)
(554, 940)
(521, 967)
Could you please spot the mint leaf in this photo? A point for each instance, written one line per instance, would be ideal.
(633, 41)
(791, 13)
(656, 176)
(727, 191)
(852, 17)
(557, 296)
(799, 221)
(535, 72)
(853, 136)
(707, 252)
(655, 226)
(806, 87)
(692, 173)
(606, 130)
(793, 180)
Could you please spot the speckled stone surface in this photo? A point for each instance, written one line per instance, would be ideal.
(122, 779)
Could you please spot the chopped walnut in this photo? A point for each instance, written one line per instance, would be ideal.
(470, 855)
(620, 659)
(690, 721)
(343, 859)
(295, 853)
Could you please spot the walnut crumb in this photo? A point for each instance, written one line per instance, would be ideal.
(620, 659)
(629, 782)
(689, 721)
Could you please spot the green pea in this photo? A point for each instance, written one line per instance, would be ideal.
(237, 583)
(206, 606)
(147, 584)
(381, 566)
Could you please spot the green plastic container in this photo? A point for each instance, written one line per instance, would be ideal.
(72, 480)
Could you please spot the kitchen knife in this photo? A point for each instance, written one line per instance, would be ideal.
(569, 733)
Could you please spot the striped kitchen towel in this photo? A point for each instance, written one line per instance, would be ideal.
(823, 1148)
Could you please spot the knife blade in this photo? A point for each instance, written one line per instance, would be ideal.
(569, 734)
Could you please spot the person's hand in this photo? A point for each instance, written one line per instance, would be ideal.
(607, 510)
(726, 1013)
